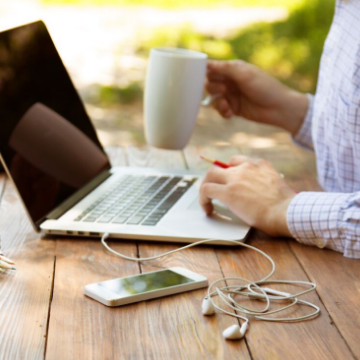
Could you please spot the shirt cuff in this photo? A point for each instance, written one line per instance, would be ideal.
(314, 218)
(303, 137)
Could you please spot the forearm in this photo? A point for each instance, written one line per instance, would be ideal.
(293, 111)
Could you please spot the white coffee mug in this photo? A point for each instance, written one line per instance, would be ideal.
(173, 92)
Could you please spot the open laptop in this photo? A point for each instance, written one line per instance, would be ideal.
(51, 152)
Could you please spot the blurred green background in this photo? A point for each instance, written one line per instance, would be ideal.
(105, 46)
(289, 49)
(177, 4)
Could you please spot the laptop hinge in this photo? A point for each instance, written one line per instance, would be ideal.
(75, 198)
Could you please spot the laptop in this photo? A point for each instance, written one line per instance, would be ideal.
(50, 151)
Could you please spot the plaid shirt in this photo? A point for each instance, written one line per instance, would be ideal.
(332, 129)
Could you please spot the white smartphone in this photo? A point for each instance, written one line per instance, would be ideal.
(146, 286)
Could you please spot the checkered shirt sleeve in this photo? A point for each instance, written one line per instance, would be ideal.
(303, 137)
(332, 127)
(329, 220)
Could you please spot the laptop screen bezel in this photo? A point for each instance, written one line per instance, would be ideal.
(69, 202)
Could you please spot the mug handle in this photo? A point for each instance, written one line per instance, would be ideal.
(209, 100)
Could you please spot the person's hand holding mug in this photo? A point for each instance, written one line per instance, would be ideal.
(244, 90)
(252, 188)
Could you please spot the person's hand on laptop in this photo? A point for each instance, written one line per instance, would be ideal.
(253, 190)
(244, 90)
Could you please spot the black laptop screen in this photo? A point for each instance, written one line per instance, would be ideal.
(47, 141)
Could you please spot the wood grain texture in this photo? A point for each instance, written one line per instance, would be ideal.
(82, 328)
(176, 329)
(24, 295)
(337, 277)
(338, 280)
(315, 339)
(171, 327)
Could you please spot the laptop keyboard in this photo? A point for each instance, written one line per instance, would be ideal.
(137, 200)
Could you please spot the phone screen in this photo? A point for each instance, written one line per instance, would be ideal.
(145, 282)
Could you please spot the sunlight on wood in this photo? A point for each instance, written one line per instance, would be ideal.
(241, 138)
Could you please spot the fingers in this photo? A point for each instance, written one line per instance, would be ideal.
(208, 192)
(215, 88)
(216, 175)
(212, 187)
(214, 77)
(238, 159)
(222, 105)
(227, 69)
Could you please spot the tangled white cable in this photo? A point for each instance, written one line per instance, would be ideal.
(251, 289)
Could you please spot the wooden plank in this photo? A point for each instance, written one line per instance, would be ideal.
(310, 339)
(338, 283)
(330, 270)
(25, 295)
(82, 328)
(315, 339)
(176, 327)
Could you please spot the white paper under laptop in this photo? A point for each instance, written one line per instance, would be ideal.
(50, 150)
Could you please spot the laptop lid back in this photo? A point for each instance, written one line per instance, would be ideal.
(47, 142)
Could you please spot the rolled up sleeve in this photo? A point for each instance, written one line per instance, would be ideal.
(329, 220)
(303, 137)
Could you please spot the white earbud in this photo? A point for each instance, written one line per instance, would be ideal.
(207, 307)
(235, 332)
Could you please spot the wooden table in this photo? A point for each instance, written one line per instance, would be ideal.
(44, 313)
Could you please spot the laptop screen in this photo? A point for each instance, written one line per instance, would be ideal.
(47, 141)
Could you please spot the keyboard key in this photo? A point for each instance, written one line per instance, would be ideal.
(136, 197)
(149, 223)
(159, 212)
(105, 219)
(143, 212)
(135, 220)
(155, 217)
(90, 219)
(120, 220)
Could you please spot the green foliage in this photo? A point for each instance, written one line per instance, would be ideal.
(175, 4)
(184, 37)
(111, 94)
(289, 50)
